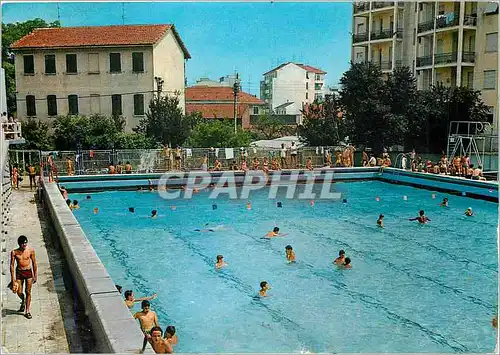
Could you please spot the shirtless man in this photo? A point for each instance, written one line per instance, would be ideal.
(147, 319)
(159, 345)
(275, 233)
(170, 335)
(264, 287)
(128, 168)
(290, 254)
(24, 257)
(220, 262)
(341, 258)
(421, 218)
(130, 300)
(380, 221)
(69, 164)
(309, 165)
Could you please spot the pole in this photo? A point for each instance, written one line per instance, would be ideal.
(236, 89)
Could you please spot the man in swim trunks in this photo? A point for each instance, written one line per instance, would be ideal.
(421, 218)
(130, 300)
(347, 264)
(159, 345)
(341, 258)
(274, 233)
(24, 272)
(147, 319)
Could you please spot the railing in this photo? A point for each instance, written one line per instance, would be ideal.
(423, 61)
(382, 4)
(469, 57)
(360, 37)
(445, 58)
(470, 20)
(425, 26)
(448, 20)
(384, 65)
(362, 6)
(12, 130)
(387, 33)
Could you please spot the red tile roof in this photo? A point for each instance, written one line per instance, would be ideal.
(303, 66)
(216, 110)
(97, 36)
(218, 93)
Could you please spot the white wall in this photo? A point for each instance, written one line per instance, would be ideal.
(290, 86)
(169, 65)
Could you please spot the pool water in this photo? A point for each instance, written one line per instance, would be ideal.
(412, 288)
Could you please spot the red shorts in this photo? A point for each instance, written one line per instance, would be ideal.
(23, 274)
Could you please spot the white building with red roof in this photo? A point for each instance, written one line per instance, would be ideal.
(214, 101)
(290, 86)
(97, 70)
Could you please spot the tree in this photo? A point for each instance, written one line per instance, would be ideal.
(165, 123)
(270, 127)
(36, 134)
(323, 124)
(218, 134)
(11, 32)
(367, 115)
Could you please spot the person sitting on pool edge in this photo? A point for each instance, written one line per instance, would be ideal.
(421, 218)
(380, 221)
(275, 233)
(130, 300)
(469, 212)
(290, 254)
(341, 258)
(264, 287)
(158, 343)
(220, 262)
(444, 203)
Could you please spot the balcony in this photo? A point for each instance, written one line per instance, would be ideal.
(470, 20)
(12, 132)
(469, 57)
(362, 6)
(445, 58)
(388, 33)
(384, 65)
(425, 26)
(382, 4)
(424, 61)
(448, 20)
(360, 37)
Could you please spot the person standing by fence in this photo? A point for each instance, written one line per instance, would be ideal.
(32, 174)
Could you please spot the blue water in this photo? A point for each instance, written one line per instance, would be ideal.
(412, 288)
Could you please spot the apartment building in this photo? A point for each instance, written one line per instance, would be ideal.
(290, 86)
(447, 42)
(107, 70)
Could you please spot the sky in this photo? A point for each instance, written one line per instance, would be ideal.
(250, 38)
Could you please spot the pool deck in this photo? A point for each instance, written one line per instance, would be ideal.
(45, 332)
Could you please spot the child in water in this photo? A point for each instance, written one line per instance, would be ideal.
(290, 254)
(154, 213)
(380, 221)
(445, 202)
(264, 287)
(469, 212)
(421, 218)
(220, 262)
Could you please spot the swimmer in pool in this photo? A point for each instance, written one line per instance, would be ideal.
(421, 218)
(170, 335)
(444, 203)
(469, 212)
(220, 262)
(274, 233)
(96, 210)
(347, 264)
(380, 221)
(290, 254)
(130, 300)
(154, 213)
(341, 258)
(264, 287)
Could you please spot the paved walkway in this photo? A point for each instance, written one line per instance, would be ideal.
(47, 331)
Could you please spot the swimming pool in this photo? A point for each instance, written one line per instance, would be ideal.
(412, 288)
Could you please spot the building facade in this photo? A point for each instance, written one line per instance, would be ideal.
(290, 86)
(106, 70)
(452, 43)
(217, 102)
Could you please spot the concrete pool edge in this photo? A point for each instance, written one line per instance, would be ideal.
(114, 328)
